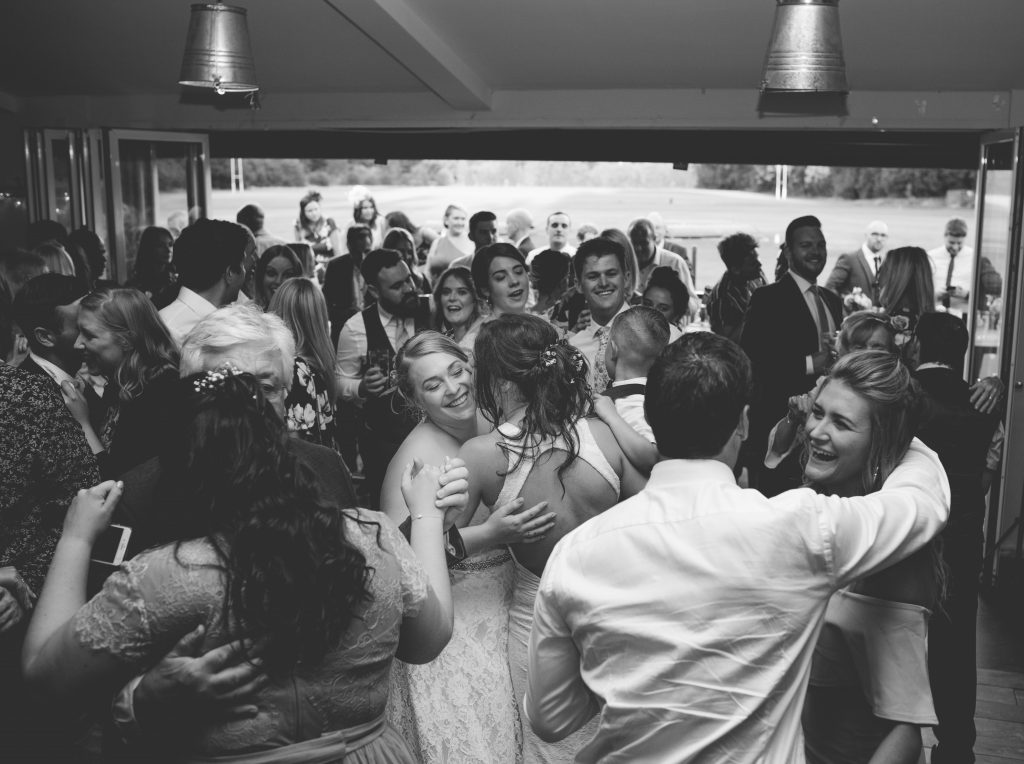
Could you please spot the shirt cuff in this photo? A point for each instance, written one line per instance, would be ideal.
(809, 363)
(123, 711)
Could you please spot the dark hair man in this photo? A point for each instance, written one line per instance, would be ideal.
(213, 259)
(600, 267)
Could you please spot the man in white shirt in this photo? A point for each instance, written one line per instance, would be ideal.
(696, 644)
(365, 359)
(861, 269)
(650, 256)
(558, 236)
(953, 271)
(213, 258)
(600, 266)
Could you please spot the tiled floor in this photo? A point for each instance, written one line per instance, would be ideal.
(1000, 712)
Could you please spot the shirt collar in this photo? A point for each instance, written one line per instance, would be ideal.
(670, 472)
(56, 373)
(633, 381)
(933, 365)
(195, 302)
(801, 282)
(871, 255)
(594, 325)
(386, 318)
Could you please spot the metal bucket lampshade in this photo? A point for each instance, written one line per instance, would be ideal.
(805, 54)
(217, 50)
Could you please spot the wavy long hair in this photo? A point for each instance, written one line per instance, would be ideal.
(555, 392)
(908, 285)
(290, 573)
(302, 307)
(131, 318)
(419, 345)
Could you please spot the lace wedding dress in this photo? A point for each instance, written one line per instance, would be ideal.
(460, 708)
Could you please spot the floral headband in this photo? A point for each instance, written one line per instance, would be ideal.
(549, 356)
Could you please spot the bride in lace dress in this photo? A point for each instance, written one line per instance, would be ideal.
(461, 707)
(534, 389)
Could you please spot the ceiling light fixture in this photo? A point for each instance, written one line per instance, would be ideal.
(218, 54)
(805, 54)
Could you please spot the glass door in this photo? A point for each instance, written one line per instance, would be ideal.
(156, 179)
(996, 345)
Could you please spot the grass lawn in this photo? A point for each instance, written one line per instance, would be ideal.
(701, 216)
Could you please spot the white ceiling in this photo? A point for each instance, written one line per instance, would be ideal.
(508, 62)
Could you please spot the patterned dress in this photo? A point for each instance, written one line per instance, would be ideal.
(309, 410)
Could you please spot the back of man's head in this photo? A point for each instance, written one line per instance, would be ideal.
(598, 247)
(251, 340)
(356, 235)
(942, 338)
(377, 260)
(639, 335)
(206, 249)
(696, 393)
(35, 305)
(805, 221)
(251, 216)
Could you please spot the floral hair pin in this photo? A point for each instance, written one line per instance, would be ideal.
(214, 379)
(549, 356)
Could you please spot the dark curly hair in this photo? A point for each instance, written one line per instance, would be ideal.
(556, 392)
(290, 573)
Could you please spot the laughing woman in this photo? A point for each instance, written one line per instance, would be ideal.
(457, 309)
(122, 337)
(869, 694)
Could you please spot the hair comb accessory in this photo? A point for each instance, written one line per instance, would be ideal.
(549, 356)
(214, 379)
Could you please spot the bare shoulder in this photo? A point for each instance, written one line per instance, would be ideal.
(605, 440)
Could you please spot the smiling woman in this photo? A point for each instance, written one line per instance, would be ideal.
(869, 680)
(122, 337)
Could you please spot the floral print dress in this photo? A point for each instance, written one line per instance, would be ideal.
(309, 410)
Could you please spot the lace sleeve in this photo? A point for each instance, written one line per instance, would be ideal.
(151, 602)
(115, 621)
(412, 579)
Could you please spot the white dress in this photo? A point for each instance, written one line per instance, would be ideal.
(536, 750)
(460, 707)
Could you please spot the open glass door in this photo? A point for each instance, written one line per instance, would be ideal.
(996, 345)
(157, 179)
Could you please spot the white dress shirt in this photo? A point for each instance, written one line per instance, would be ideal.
(351, 351)
(963, 273)
(870, 257)
(588, 341)
(184, 313)
(696, 645)
(631, 408)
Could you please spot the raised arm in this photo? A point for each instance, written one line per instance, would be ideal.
(869, 533)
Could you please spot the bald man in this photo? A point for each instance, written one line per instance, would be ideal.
(861, 268)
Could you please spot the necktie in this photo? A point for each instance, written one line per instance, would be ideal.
(600, 369)
(878, 265)
(401, 334)
(823, 326)
(949, 271)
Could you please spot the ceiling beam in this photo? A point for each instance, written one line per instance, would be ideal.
(407, 38)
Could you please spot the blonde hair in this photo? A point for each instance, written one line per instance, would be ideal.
(132, 319)
(303, 309)
(230, 328)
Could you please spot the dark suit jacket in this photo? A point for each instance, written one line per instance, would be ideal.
(853, 270)
(960, 435)
(778, 335)
(97, 407)
(145, 507)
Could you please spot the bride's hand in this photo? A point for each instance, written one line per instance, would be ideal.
(419, 489)
(511, 524)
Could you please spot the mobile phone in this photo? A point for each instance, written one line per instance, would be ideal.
(112, 544)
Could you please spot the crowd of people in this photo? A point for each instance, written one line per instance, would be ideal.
(380, 495)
